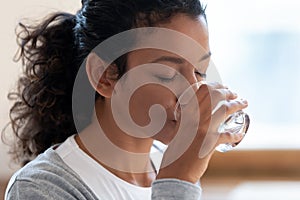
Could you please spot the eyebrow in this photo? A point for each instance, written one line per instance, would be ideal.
(169, 59)
(177, 60)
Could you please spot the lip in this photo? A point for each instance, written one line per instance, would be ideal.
(174, 121)
(177, 114)
(173, 114)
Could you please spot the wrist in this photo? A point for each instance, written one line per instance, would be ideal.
(171, 174)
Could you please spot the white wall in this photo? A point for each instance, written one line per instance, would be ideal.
(12, 12)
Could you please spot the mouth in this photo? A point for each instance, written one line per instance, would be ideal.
(173, 115)
(174, 121)
(177, 115)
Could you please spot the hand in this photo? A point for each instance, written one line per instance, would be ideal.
(189, 153)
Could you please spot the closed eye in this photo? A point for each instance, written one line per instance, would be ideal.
(166, 79)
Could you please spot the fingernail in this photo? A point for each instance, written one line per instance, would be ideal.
(245, 101)
(241, 135)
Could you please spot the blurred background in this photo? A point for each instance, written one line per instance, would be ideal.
(255, 47)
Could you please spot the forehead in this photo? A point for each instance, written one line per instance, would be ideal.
(196, 29)
(192, 31)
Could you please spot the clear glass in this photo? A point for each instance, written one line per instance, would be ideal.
(236, 123)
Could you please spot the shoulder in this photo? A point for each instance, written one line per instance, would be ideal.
(48, 167)
(48, 176)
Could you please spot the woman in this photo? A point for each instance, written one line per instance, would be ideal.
(77, 145)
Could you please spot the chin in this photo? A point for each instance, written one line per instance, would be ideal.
(165, 141)
(167, 134)
(164, 137)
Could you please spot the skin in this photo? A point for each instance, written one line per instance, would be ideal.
(189, 166)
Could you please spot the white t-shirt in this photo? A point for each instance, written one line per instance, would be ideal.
(102, 182)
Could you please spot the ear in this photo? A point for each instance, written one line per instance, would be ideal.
(99, 76)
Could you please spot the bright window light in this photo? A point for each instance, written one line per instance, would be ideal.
(255, 46)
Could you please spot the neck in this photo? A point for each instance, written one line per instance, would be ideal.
(125, 156)
(124, 140)
(140, 179)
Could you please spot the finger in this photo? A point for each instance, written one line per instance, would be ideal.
(226, 94)
(221, 114)
(233, 106)
(214, 90)
(211, 138)
(220, 95)
(215, 85)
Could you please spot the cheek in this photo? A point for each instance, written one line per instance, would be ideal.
(146, 96)
(139, 106)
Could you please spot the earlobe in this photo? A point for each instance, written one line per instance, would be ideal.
(98, 76)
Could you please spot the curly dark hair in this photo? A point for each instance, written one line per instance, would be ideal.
(52, 52)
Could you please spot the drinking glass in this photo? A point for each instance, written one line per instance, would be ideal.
(237, 122)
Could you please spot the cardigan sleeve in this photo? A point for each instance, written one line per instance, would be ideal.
(175, 189)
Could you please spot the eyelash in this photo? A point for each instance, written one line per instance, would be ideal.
(202, 75)
(167, 80)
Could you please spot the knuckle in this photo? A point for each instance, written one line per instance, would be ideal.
(216, 84)
(225, 107)
(204, 90)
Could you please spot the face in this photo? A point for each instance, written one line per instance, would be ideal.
(150, 94)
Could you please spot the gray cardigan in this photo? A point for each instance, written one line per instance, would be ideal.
(48, 177)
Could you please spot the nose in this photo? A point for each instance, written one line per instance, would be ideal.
(188, 78)
(185, 90)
